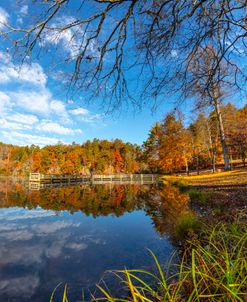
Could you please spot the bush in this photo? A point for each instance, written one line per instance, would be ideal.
(198, 196)
(181, 184)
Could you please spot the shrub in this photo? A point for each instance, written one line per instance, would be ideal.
(198, 196)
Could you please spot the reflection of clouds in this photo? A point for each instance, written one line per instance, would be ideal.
(48, 240)
(92, 239)
(17, 213)
(35, 245)
(77, 246)
(26, 255)
(23, 287)
(11, 226)
(16, 235)
(47, 228)
(55, 249)
(17, 231)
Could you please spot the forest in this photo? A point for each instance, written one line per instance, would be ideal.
(170, 148)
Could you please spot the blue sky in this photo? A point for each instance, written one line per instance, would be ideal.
(35, 108)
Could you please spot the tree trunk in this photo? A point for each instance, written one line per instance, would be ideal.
(214, 160)
(197, 163)
(187, 169)
(222, 134)
(212, 150)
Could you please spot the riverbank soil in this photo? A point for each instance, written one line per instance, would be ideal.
(222, 198)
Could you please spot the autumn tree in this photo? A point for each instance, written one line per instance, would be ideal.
(236, 133)
(201, 143)
(175, 149)
(209, 88)
(151, 148)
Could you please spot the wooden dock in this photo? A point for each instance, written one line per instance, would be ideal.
(93, 179)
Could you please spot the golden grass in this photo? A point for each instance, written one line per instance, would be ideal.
(234, 177)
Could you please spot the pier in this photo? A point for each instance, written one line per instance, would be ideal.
(93, 179)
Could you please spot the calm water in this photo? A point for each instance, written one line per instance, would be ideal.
(74, 234)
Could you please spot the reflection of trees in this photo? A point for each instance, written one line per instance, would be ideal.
(165, 205)
(100, 200)
(166, 208)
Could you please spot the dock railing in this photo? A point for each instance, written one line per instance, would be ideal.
(34, 177)
(95, 178)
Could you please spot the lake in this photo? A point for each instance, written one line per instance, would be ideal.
(73, 235)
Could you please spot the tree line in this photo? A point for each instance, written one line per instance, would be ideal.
(194, 49)
(99, 156)
(170, 147)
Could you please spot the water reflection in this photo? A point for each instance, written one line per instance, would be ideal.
(43, 244)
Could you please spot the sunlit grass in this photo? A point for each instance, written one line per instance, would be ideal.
(222, 175)
(215, 270)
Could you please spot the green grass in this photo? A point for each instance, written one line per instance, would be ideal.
(215, 270)
(198, 196)
(187, 226)
(181, 184)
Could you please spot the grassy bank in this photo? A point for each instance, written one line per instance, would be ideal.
(218, 197)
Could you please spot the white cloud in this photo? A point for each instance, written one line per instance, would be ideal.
(29, 139)
(4, 58)
(79, 111)
(4, 124)
(67, 38)
(4, 101)
(27, 104)
(174, 53)
(19, 20)
(18, 121)
(41, 102)
(70, 39)
(24, 10)
(85, 116)
(58, 107)
(31, 73)
(32, 101)
(28, 119)
(52, 127)
(91, 118)
(3, 17)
